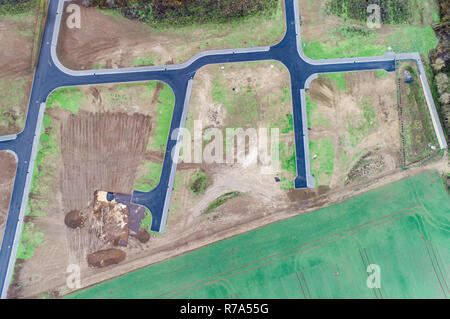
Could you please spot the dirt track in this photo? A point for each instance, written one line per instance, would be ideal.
(8, 172)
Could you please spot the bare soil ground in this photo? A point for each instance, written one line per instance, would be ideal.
(17, 35)
(123, 42)
(98, 148)
(8, 166)
(364, 145)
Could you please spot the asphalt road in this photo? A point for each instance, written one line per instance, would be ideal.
(50, 75)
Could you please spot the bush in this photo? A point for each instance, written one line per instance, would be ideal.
(182, 12)
(199, 182)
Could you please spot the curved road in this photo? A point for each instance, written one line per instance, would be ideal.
(50, 74)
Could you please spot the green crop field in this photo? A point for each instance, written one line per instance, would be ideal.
(403, 227)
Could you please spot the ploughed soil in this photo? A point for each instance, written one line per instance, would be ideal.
(100, 151)
(8, 166)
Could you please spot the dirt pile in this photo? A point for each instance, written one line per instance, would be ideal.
(103, 258)
(369, 164)
(75, 219)
(7, 176)
(110, 220)
(142, 235)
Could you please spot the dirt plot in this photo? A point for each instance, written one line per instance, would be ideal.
(93, 138)
(107, 148)
(123, 42)
(353, 127)
(8, 166)
(17, 35)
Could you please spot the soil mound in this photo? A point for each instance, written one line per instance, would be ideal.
(142, 235)
(75, 219)
(103, 258)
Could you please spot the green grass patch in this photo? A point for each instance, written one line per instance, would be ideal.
(339, 79)
(18, 10)
(417, 129)
(12, 100)
(322, 160)
(314, 116)
(381, 73)
(287, 125)
(346, 42)
(199, 182)
(222, 199)
(146, 223)
(29, 240)
(166, 103)
(99, 66)
(150, 179)
(242, 105)
(327, 251)
(66, 98)
(391, 11)
(288, 162)
(361, 128)
(144, 61)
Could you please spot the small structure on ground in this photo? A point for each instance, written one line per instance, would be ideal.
(408, 77)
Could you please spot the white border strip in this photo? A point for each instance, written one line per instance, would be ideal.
(310, 182)
(6, 138)
(176, 157)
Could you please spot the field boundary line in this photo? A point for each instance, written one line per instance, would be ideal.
(434, 268)
(365, 269)
(437, 263)
(306, 284)
(300, 283)
(368, 260)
